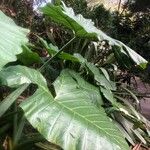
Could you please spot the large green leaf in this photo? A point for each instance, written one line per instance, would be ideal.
(85, 28)
(11, 39)
(100, 76)
(51, 49)
(27, 57)
(70, 119)
(15, 76)
(124, 49)
(77, 23)
(9, 100)
(71, 81)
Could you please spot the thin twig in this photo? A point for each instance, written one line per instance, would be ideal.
(42, 67)
(146, 95)
(119, 5)
(127, 3)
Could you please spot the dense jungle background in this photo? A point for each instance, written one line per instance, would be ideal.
(74, 82)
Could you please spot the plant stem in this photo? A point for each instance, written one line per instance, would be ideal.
(29, 142)
(19, 131)
(42, 67)
(127, 3)
(15, 120)
(119, 5)
(136, 94)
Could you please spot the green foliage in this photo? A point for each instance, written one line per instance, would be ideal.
(66, 16)
(132, 26)
(101, 17)
(27, 57)
(11, 39)
(52, 50)
(84, 28)
(75, 110)
(70, 116)
(8, 101)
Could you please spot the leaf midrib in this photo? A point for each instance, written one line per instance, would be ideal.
(87, 120)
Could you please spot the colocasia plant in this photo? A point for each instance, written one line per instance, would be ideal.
(75, 103)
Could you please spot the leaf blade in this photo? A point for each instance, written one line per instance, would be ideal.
(8, 101)
(11, 39)
(71, 119)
